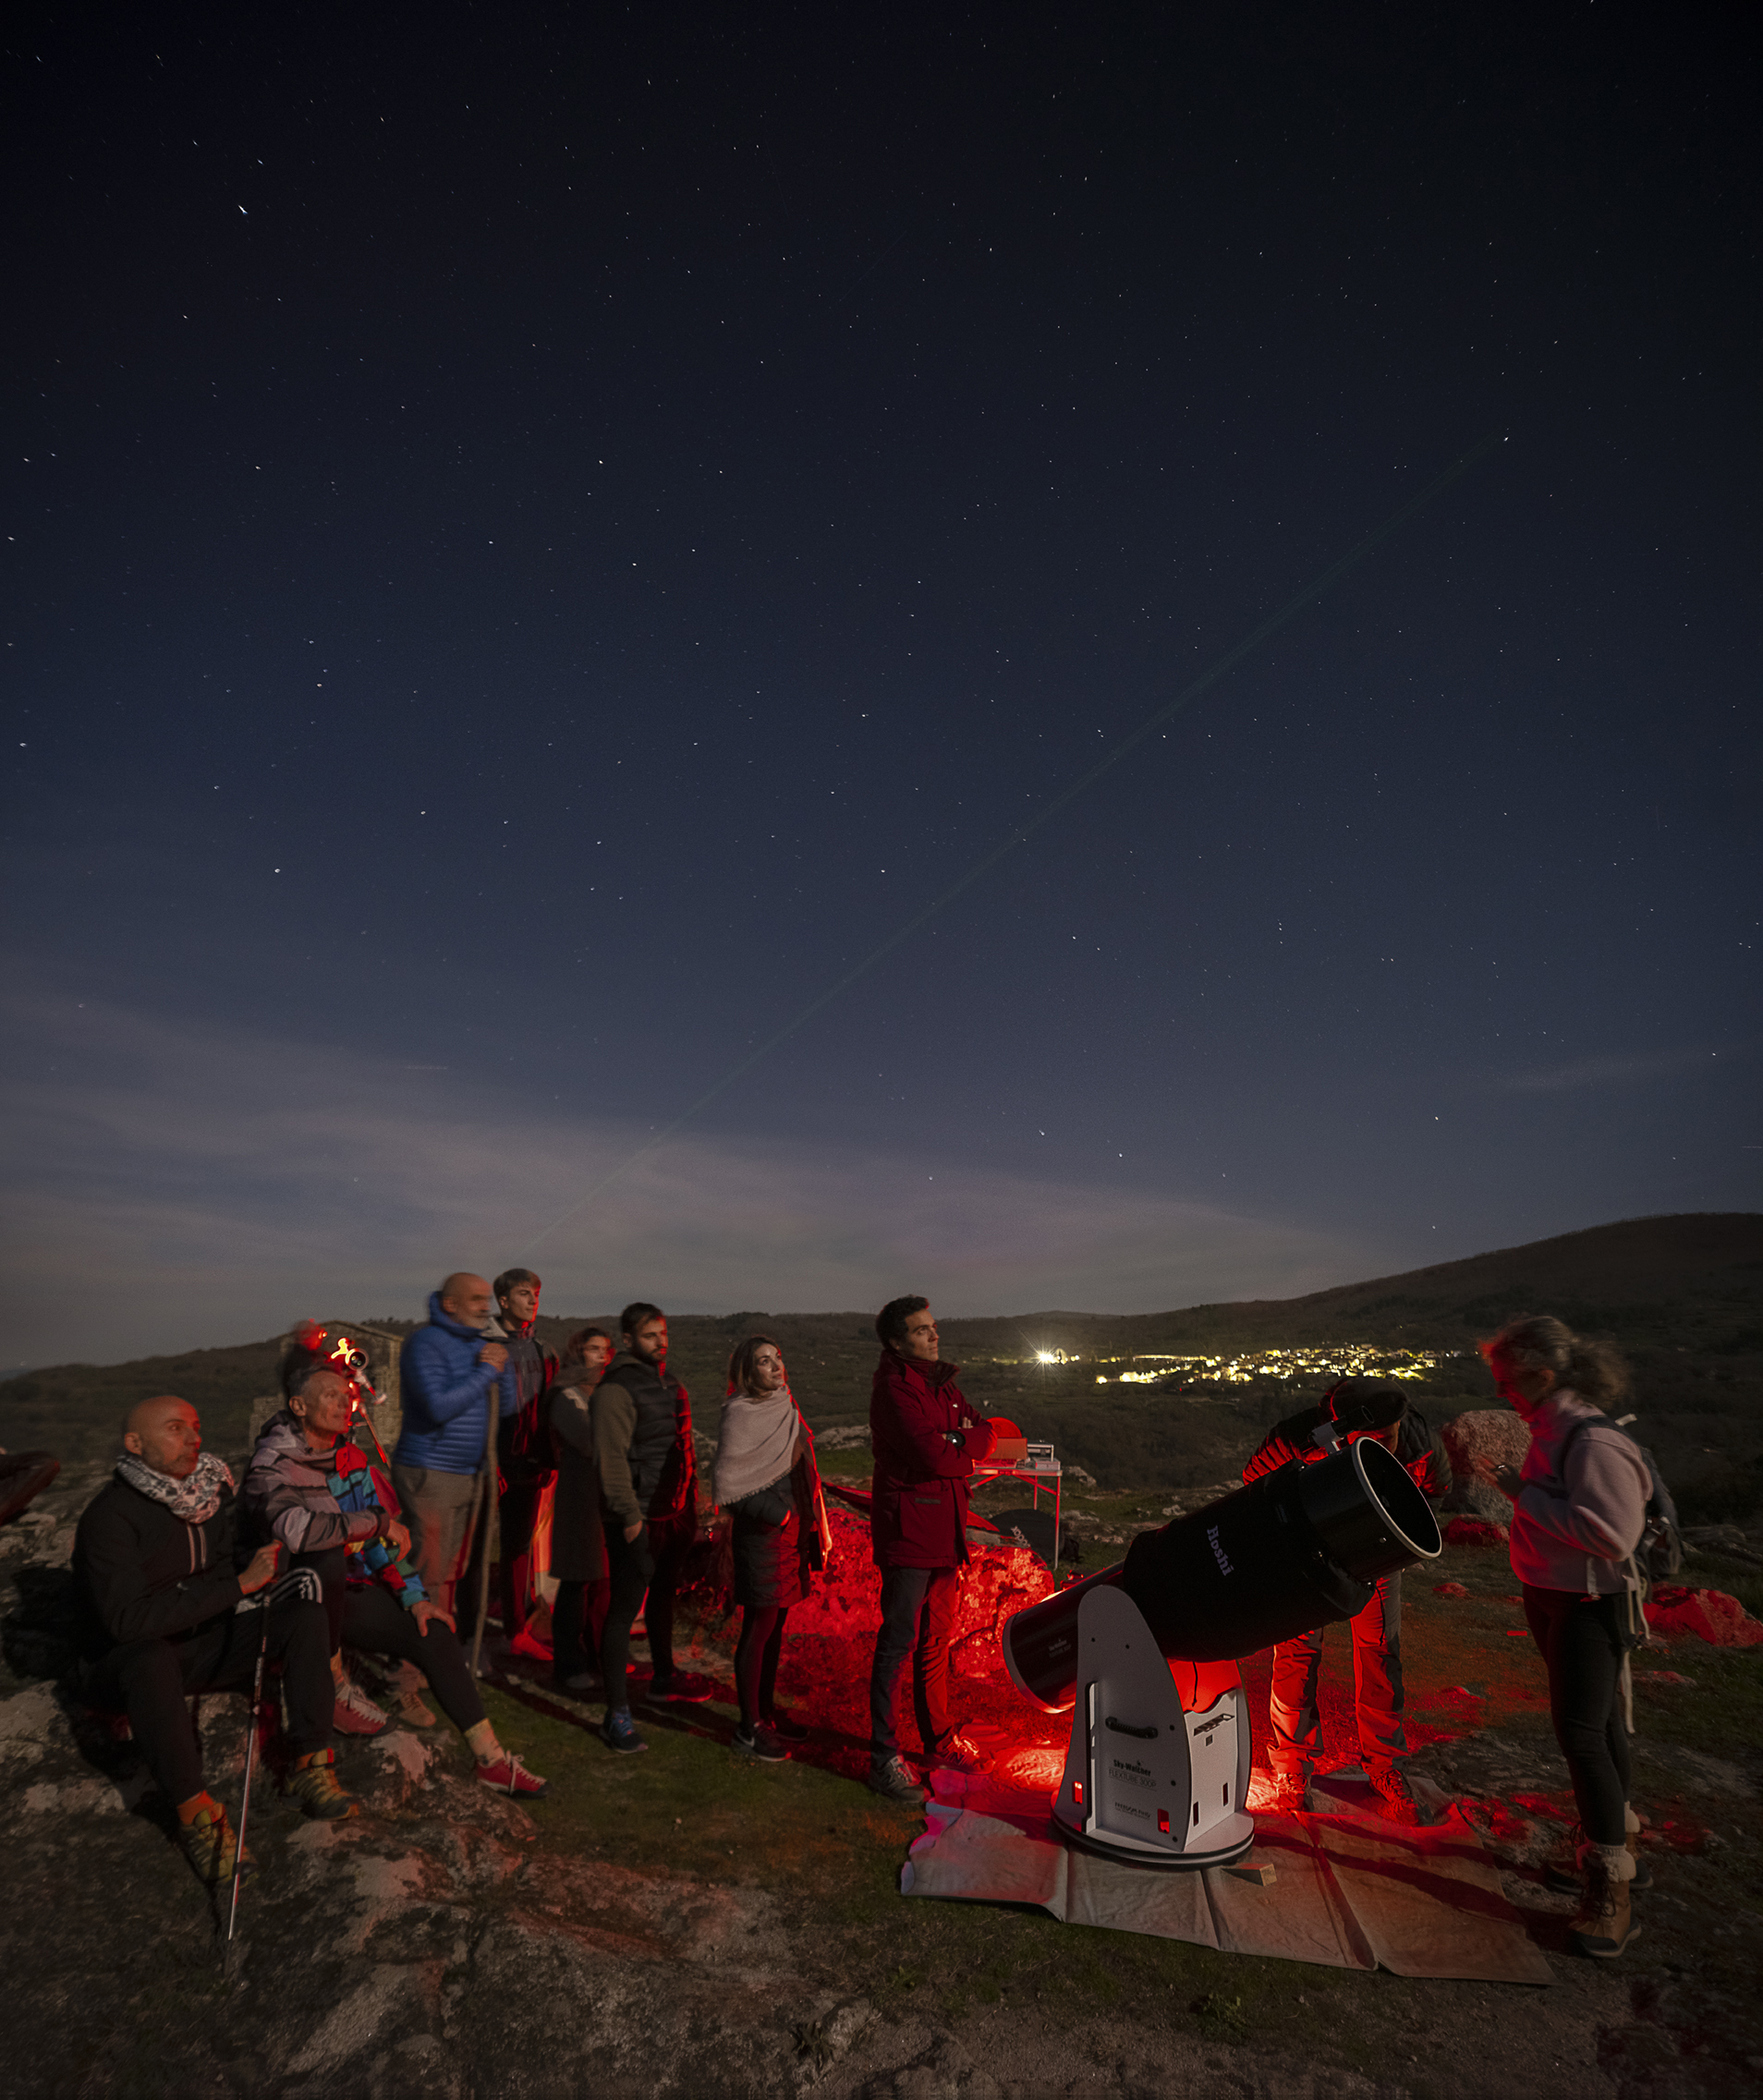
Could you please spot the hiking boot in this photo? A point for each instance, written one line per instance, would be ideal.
(618, 1732)
(210, 1845)
(582, 1685)
(507, 1775)
(410, 1711)
(682, 1688)
(1399, 1804)
(1561, 1872)
(892, 1779)
(1604, 1922)
(1290, 1795)
(786, 1730)
(955, 1752)
(355, 1713)
(761, 1742)
(312, 1783)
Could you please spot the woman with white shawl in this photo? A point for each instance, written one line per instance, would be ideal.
(765, 1477)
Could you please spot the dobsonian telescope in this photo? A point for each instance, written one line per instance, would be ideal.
(1144, 1655)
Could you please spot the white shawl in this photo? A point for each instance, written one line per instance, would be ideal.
(755, 1441)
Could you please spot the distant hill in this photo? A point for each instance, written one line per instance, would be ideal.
(1689, 1282)
(1681, 1295)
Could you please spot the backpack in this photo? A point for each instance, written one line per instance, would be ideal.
(1658, 1553)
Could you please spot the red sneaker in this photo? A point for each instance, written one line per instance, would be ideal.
(355, 1713)
(509, 1776)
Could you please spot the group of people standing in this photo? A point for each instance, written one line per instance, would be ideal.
(608, 1428)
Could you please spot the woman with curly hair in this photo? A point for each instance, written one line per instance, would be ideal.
(1579, 1506)
(765, 1477)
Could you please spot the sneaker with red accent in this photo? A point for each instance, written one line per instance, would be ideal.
(955, 1752)
(211, 1844)
(786, 1730)
(507, 1775)
(1290, 1795)
(312, 1783)
(355, 1713)
(683, 1688)
(1391, 1782)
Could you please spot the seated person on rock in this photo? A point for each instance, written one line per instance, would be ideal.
(1352, 1408)
(317, 1494)
(163, 1575)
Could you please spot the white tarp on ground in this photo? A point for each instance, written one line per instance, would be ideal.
(1349, 1890)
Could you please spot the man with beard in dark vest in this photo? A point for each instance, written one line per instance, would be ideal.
(640, 1420)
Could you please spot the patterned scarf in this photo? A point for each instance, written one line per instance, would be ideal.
(195, 1499)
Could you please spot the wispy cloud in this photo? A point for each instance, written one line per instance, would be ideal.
(1613, 1071)
(173, 1189)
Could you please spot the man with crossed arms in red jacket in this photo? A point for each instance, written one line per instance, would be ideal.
(927, 1443)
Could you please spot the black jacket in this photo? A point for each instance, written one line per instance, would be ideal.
(771, 1543)
(146, 1574)
(526, 1456)
(1293, 1440)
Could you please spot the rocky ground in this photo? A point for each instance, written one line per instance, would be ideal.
(686, 1923)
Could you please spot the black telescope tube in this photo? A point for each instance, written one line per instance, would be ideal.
(1297, 1548)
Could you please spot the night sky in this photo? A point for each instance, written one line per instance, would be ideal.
(538, 542)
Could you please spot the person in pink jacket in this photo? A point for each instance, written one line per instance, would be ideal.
(1579, 1505)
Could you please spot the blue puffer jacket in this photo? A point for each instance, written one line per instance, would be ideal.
(443, 1388)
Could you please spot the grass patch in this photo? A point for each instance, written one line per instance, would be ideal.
(829, 1854)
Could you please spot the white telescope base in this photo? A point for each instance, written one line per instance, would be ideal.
(1158, 1769)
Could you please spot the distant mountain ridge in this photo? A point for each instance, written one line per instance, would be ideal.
(1690, 1280)
(1689, 1283)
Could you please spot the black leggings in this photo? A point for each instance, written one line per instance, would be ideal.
(374, 1621)
(518, 1515)
(756, 1655)
(367, 1616)
(651, 1561)
(578, 1622)
(1582, 1649)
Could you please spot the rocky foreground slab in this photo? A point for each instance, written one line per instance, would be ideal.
(685, 1923)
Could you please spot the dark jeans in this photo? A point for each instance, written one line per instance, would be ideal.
(374, 1621)
(518, 1514)
(1582, 1649)
(578, 1626)
(151, 1680)
(1292, 1715)
(756, 1655)
(651, 1561)
(918, 1609)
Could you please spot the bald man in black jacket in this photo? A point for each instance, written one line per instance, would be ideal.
(162, 1575)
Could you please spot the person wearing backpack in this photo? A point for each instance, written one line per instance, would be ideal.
(1579, 1510)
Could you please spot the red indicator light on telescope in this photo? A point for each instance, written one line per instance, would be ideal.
(1077, 1793)
(1163, 1821)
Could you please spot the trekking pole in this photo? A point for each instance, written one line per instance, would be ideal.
(250, 1766)
(488, 1520)
(301, 1584)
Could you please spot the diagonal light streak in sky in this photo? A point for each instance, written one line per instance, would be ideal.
(1020, 836)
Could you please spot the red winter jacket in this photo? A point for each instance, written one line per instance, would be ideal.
(919, 1509)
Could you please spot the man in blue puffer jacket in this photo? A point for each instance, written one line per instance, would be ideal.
(446, 1373)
